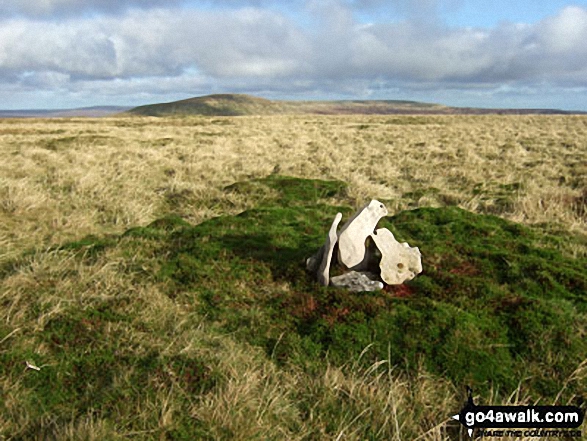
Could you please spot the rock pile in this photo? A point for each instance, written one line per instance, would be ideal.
(370, 257)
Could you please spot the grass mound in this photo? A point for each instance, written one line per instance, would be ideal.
(496, 305)
(493, 306)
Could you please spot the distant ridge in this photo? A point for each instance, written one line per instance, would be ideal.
(96, 111)
(240, 105)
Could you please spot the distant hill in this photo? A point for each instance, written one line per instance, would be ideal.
(239, 104)
(96, 111)
(235, 105)
(213, 105)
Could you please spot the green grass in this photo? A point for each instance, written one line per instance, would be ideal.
(497, 305)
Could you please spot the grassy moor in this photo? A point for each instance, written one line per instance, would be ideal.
(152, 273)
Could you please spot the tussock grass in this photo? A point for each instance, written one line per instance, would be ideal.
(155, 313)
(62, 179)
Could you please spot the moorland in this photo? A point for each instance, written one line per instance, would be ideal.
(152, 268)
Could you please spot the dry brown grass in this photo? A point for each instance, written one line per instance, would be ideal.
(67, 178)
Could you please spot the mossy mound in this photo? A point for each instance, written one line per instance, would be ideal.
(492, 307)
(497, 304)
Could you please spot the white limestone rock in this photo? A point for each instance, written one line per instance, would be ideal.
(352, 236)
(324, 269)
(357, 281)
(399, 261)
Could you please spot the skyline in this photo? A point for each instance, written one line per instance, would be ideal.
(74, 53)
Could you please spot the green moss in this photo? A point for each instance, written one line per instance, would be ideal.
(91, 245)
(159, 228)
(289, 190)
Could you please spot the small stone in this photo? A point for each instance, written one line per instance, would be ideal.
(352, 236)
(357, 282)
(324, 269)
(399, 261)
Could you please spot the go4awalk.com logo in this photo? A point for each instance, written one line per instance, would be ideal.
(527, 421)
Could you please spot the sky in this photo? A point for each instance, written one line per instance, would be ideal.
(499, 53)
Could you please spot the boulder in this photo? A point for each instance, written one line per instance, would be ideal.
(352, 236)
(357, 281)
(368, 256)
(399, 262)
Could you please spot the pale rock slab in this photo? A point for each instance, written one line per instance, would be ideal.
(357, 282)
(399, 261)
(352, 236)
(328, 247)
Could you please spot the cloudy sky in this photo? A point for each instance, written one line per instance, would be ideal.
(499, 53)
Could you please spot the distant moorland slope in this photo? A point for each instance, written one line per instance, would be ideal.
(243, 105)
(237, 105)
(90, 112)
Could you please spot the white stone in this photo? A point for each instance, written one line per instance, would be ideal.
(352, 236)
(399, 261)
(324, 269)
(356, 282)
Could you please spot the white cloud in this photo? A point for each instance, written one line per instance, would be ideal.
(153, 43)
(80, 49)
(566, 32)
(177, 50)
(550, 50)
(49, 8)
